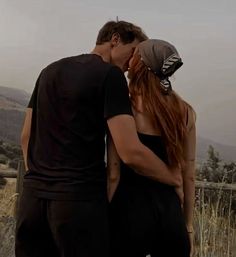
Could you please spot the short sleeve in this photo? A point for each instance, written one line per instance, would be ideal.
(116, 94)
(33, 98)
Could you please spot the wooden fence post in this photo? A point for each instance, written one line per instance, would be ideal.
(19, 185)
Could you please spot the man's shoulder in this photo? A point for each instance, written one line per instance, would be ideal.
(85, 60)
(85, 63)
(61, 62)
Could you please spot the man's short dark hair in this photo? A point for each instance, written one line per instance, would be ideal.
(128, 32)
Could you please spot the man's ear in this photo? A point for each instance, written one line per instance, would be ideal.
(115, 39)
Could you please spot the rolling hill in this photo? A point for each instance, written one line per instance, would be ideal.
(226, 152)
(14, 101)
(12, 112)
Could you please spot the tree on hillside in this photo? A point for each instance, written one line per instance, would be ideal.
(215, 170)
(10, 154)
(211, 169)
(230, 170)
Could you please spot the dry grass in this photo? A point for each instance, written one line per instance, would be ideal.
(7, 220)
(215, 223)
(8, 198)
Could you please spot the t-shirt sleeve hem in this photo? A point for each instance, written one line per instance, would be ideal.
(107, 117)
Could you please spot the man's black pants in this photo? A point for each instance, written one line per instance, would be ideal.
(61, 228)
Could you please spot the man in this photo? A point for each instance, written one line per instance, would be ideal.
(63, 208)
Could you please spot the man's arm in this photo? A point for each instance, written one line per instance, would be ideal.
(136, 155)
(25, 134)
(113, 168)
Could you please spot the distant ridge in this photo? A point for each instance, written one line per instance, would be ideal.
(14, 101)
(18, 96)
(12, 111)
(226, 152)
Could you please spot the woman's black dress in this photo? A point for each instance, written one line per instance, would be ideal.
(146, 216)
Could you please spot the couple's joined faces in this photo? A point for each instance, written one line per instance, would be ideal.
(122, 53)
(132, 57)
(131, 60)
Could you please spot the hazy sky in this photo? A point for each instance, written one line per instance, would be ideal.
(35, 33)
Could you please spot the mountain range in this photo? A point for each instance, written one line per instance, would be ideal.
(12, 110)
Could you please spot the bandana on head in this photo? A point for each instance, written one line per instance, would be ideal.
(161, 58)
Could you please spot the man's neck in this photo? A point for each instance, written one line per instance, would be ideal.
(104, 51)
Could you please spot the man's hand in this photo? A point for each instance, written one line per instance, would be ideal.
(180, 192)
(177, 172)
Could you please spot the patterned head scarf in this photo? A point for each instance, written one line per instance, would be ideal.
(161, 58)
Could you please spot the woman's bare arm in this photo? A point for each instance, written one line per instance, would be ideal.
(189, 176)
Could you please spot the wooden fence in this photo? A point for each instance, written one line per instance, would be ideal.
(212, 185)
(20, 172)
(19, 175)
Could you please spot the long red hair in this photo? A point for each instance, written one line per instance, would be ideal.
(167, 111)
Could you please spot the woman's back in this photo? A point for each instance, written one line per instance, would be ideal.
(131, 179)
(147, 216)
(144, 121)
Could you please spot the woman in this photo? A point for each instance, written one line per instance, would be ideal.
(149, 218)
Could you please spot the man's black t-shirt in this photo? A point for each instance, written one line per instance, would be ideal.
(71, 102)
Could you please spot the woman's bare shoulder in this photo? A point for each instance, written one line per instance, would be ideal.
(190, 115)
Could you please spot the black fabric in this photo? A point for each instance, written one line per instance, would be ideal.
(116, 95)
(146, 216)
(71, 102)
(48, 228)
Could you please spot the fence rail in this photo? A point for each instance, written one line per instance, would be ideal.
(20, 172)
(199, 184)
(212, 185)
(8, 173)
